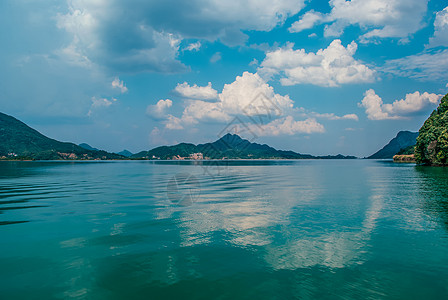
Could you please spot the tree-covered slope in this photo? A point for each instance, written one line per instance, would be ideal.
(17, 138)
(432, 141)
(230, 146)
(403, 140)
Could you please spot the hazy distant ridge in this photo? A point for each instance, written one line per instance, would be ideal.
(403, 140)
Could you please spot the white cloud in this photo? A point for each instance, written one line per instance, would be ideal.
(249, 94)
(426, 66)
(173, 123)
(254, 102)
(328, 116)
(118, 84)
(332, 116)
(288, 126)
(156, 137)
(197, 92)
(308, 20)
(99, 103)
(254, 62)
(158, 111)
(413, 103)
(216, 57)
(335, 29)
(380, 18)
(201, 110)
(261, 15)
(440, 37)
(329, 67)
(384, 18)
(72, 55)
(193, 46)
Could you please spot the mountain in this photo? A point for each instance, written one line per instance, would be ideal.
(125, 153)
(18, 140)
(88, 147)
(432, 141)
(403, 140)
(230, 146)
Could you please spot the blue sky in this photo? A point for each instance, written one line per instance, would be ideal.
(319, 77)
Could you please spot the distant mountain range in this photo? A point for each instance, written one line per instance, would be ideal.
(125, 153)
(18, 140)
(230, 146)
(88, 147)
(403, 141)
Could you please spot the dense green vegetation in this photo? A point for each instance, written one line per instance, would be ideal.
(432, 142)
(230, 146)
(19, 141)
(407, 151)
(402, 141)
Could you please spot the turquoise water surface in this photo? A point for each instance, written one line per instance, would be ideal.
(307, 229)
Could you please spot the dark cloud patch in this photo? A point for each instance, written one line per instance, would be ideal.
(136, 35)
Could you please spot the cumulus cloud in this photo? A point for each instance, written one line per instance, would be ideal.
(413, 103)
(308, 20)
(173, 123)
(287, 126)
(118, 84)
(99, 103)
(201, 110)
(396, 19)
(329, 67)
(251, 99)
(106, 36)
(196, 92)
(440, 37)
(425, 66)
(135, 36)
(249, 94)
(193, 46)
(380, 18)
(158, 111)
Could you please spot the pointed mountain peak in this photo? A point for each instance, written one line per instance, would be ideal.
(231, 136)
(231, 139)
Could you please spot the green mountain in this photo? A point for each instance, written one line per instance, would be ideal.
(230, 146)
(19, 141)
(432, 142)
(125, 153)
(88, 147)
(403, 140)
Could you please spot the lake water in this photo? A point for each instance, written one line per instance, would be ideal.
(307, 229)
